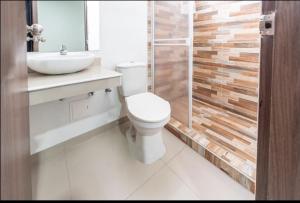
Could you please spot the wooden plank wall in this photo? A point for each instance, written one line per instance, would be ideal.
(226, 55)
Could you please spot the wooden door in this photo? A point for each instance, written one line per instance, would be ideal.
(15, 154)
(278, 173)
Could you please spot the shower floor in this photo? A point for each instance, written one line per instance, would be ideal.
(224, 138)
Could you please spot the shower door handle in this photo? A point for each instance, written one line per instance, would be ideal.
(169, 42)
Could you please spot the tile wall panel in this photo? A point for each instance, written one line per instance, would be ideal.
(226, 55)
(171, 19)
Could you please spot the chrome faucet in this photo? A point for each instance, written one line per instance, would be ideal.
(34, 33)
(63, 50)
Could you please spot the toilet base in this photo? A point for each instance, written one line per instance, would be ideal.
(146, 148)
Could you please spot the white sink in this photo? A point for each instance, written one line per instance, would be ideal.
(54, 63)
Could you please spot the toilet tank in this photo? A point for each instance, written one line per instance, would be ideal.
(134, 78)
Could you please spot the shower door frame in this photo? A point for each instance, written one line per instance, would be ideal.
(188, 43)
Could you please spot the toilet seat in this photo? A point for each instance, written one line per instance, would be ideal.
(147, 107)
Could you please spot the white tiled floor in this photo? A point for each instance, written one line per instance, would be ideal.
(98, 166)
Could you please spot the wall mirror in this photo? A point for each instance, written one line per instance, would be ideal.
(74, 24)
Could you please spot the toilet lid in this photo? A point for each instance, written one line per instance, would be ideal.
(148, 107)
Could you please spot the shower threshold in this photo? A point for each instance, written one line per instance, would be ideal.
(225, 139)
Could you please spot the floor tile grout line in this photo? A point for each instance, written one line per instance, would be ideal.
(175, 155)
(196, 194)
(147, 180)
(65, 151)
(165, 165)
(68, 171)
(192, 190)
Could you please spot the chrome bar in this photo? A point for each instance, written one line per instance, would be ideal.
(185, 44)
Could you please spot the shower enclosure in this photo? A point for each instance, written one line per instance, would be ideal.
(172, 60)
(205, 61)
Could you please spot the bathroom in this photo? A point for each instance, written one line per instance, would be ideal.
(150, 100)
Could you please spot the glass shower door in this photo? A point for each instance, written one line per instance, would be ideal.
(172, 56)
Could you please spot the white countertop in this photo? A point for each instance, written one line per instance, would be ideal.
(37, 81)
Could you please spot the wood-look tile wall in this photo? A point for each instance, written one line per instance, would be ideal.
(226, 51)
(226, 55)
(170, 20)
(171, 74)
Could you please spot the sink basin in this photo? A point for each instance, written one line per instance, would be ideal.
(54, 63)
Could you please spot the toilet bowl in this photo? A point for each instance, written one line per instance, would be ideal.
(148, 114)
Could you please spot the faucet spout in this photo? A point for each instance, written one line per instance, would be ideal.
(63, 50)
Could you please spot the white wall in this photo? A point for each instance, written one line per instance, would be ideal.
(93, 24)
(123, 37)
(124, 31)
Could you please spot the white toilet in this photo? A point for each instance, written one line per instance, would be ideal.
(147, 112)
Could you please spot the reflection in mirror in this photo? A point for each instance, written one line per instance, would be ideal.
(74, 24)
(63, 23)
